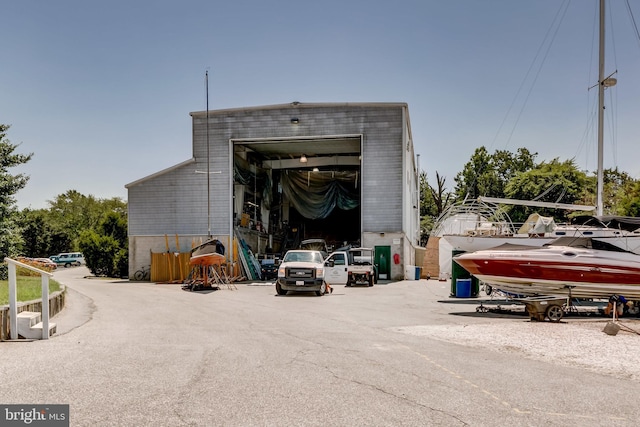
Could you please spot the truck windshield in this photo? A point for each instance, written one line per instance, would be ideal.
(303, 257)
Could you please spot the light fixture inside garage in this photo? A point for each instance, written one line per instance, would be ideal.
(295, 121)
(303, 159)
(316, 170)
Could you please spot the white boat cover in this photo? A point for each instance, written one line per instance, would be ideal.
(537, 224)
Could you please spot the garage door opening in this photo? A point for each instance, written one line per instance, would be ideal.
(293, 189)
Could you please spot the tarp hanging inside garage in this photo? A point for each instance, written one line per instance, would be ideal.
(316, 194)
(251, 175)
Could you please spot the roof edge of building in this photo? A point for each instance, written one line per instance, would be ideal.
(162, 172)
(297, 104)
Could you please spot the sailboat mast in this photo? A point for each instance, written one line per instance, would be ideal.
(601, 78)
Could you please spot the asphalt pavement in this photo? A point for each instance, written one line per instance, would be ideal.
(138, 354)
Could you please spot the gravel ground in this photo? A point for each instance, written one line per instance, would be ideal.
(572, 343)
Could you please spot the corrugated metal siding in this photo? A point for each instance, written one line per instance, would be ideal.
(382, 174)
(175, 202)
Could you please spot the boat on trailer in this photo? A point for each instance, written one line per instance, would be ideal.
(576, 267)
(207, 265)
(210, 252)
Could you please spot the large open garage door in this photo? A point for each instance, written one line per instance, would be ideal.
(293, 189)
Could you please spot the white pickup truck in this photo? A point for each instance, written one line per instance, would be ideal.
(352, 267)
(301, 270)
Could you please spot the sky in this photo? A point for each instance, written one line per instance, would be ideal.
(100, 92)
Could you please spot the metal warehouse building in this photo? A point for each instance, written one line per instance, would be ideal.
(276, 175)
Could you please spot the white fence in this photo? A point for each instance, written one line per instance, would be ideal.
(13, 297)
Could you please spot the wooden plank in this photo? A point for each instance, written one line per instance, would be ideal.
(431, 261)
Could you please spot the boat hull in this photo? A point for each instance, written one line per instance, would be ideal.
(582, 273)
(627, 241)
(209, 253)
(207, 259)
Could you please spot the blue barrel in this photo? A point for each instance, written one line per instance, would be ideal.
(418, 271)
(463, 288)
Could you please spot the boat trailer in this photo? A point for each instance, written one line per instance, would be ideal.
(551, 307)
(538, 307)
(208, 276)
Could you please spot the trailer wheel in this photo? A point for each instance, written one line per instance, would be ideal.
(555, 313)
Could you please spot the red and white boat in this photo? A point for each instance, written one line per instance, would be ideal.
(208, 253)
(577, 267)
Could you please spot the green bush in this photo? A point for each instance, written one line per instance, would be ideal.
(121, 263)
(99, 253)
(105, 249)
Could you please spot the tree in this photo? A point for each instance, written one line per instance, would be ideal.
(72, 213)
(427, 202)
(40, 234)
(441, 197)
(488, 174)
(629, 200)
(476, 178)
(115, 226)
(35, 231)
(556, 181)
(433, 201)
(78, 222)
(105, 248)
(10, 238)
(428, 208)
(99, 252)
(617, 187)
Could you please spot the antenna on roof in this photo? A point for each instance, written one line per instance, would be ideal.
(208, 172)
(206, 78)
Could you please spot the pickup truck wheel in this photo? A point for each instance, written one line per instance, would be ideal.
(323, 289)
(279, 289)
(371, 280)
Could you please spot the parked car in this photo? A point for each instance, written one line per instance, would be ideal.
(46, 262)
(65, 263)
(68, 259)
(269, 269)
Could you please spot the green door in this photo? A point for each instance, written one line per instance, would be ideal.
(382, 260)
